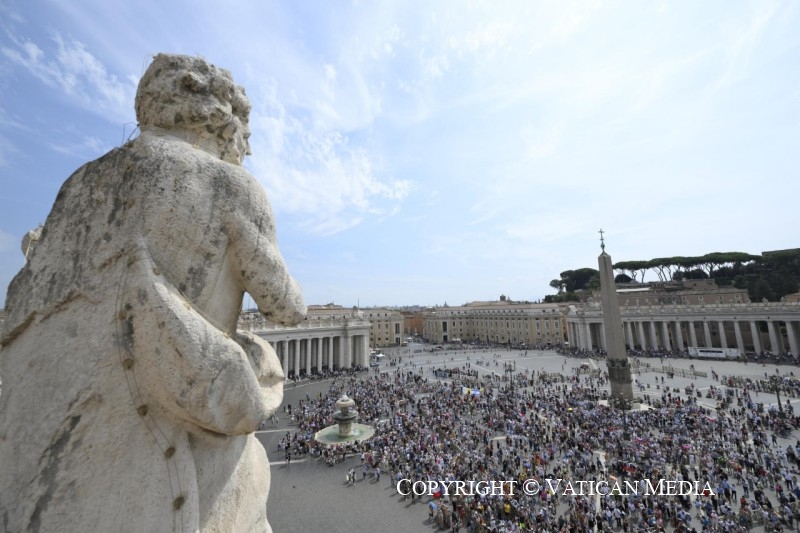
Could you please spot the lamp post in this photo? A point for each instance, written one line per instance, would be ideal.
(776, 388)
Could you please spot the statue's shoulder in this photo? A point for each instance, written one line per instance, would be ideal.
(155, 147)
(155, 157)
(152, 147)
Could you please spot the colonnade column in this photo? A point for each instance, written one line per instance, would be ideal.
(587, 336)
(629, 334)
(346, 354)
(756, 334)
(791, 333)
(679, 335)
(653, 336)
(640, 331)
(692, 335)
(739, 341)
(723, 340)
(665, 335)
(296, 350)
(284, 349)
(775, 345)
(707, 335)
(313, 359)
(356, 350)
(364, 351)
(336, 357)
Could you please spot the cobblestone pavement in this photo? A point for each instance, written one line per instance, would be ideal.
(307, 495)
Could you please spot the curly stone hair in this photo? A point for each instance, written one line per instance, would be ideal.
(188, 93)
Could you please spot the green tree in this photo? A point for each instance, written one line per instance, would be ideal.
(695, 273)
(761, 290)
(772, 275)
(636, 268)
(576, 280)
(558, 284)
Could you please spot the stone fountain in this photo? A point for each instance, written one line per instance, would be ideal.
(346, 429)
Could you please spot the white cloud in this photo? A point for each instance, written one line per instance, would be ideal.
(313, 171)
(74, 70)
(525, 126)
(88, 147)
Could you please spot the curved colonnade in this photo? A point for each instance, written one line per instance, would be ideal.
(316, 345)
(748, 327)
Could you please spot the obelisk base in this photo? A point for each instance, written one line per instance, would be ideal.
(619, 376)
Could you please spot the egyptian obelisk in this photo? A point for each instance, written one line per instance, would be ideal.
(619, 371)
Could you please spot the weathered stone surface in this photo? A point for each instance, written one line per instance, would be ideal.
(619, 371)
(129, 399)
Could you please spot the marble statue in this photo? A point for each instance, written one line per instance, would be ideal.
(129, 398)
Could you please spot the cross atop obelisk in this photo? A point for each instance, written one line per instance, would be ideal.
(619, 371)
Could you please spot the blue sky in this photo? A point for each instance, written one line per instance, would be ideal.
(448, 151)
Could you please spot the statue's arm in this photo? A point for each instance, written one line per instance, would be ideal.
(259, 261)
(200, 376)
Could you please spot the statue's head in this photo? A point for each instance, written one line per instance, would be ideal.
(187, 94)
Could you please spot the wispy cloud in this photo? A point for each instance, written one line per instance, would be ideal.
(7, 241)
(7, 146)
(516, 129)
(741, 41)
(85, 147)
(69, 67)
(313, 171)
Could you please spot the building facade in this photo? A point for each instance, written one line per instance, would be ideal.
(697, 317)
(387, 328)
(413, 322)
(499, 322)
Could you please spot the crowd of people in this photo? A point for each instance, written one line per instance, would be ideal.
(550, 426)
